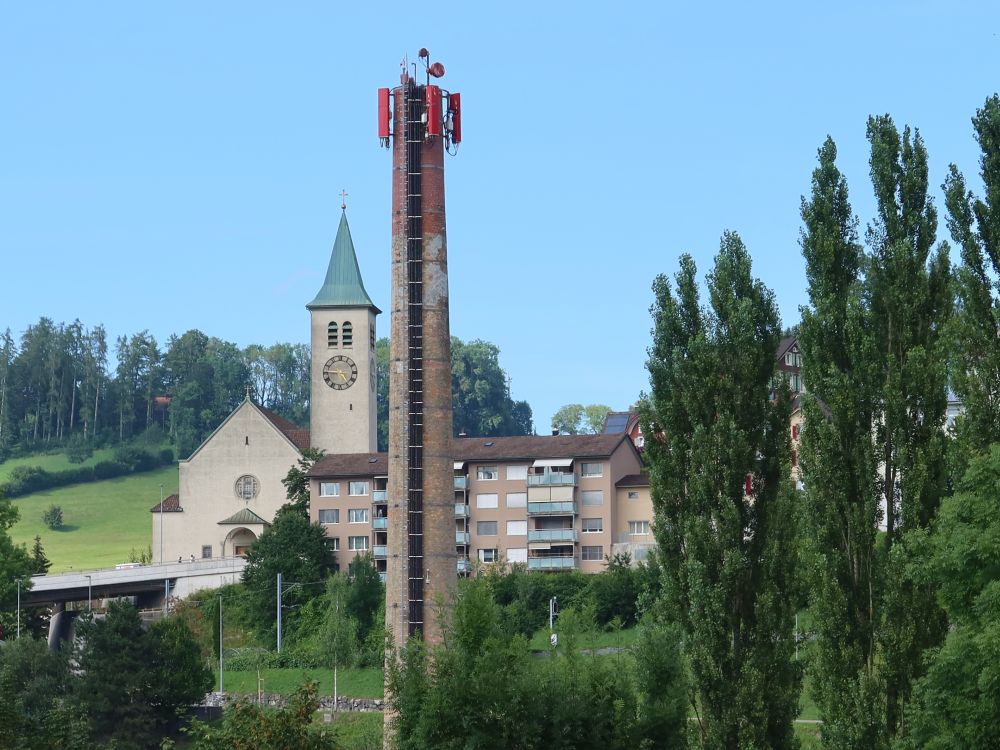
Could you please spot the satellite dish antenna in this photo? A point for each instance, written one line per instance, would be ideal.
(436, 70)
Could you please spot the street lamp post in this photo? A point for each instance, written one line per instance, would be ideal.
(89, 584)
(18, 608)
(161, 524)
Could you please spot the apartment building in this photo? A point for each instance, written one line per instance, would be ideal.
(553, 503)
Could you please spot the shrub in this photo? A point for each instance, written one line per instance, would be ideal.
(78, 450)
(136, 459)
(166, 456)
(53, 517)
(110, 469)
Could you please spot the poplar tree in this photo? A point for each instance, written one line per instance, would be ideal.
(728, 556)
(873, 447)
(838, 465)
(974, 224)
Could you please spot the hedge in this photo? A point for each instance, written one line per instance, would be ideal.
(25, 480)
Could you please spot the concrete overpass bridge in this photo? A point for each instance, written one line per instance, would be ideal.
(151, 585)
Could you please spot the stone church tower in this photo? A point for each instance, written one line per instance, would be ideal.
(343, 407)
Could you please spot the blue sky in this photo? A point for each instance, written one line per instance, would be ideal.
(176, 166)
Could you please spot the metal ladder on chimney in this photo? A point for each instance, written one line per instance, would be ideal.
(413, 108)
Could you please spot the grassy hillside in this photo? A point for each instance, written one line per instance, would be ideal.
(53, 462)
(103, 520)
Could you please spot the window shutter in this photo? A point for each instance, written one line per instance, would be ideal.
(748, 484)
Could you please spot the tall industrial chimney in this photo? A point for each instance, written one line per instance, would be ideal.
(421, 567)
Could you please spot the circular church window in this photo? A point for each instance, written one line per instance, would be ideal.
(247, 487)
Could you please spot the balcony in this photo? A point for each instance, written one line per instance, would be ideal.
(461, 483)
(461, 510)
(380, 551)
(464, 566)
(552, 535)
(553, 478)
(561, 507)
(380, 524)
(552, 563)
(462, 537)
(378, 496)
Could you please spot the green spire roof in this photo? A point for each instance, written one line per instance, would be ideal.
(343, 286)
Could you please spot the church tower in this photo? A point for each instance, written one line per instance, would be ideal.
(343, 407)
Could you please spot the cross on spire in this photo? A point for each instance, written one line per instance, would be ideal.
(343, 200)
(246, 390)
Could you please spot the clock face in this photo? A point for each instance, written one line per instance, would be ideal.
(340, 372)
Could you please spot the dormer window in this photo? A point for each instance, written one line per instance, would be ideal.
(347, 336)
(331, 336)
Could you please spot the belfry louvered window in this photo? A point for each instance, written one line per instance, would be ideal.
(331, 336)
(347, 335)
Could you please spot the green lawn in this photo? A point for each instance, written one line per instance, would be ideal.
(593, 639)
(103, 521)
(53, 462)
(352, 683)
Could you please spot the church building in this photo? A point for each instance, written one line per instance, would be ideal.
(230, 486)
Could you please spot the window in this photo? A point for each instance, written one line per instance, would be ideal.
(357, 488)
(592, 469)
(331, 336)
(517, 472)
(517, 555)
(795, 432)
(329, 489)
(748, 484)
(633, 494)
(357, 542)
(517, 528)
(247, 487)
(488, 555)
(371, 336)
(329, 516)
(486, 500)
(347, 334)
(333, 542)
(638, 528)
(593, 497)
(206, 551)
(357, 515)
(592, 525)
(486, 528)
(487, 472)
(795, 458)
(517, 499)
(592, 553)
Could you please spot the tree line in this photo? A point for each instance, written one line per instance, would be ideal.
(60, 387)
(903, 616)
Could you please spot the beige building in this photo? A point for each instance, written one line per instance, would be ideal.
(561, 502)
(230, 487)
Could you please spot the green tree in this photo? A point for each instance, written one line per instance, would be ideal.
(974, 224)
(133, 683)
(15, 563)
(577, 419)
(909, 293)
(246, 725)
(956, 704)
(39, 562)
(366, 592)
(729, 558)
(53, 517)
(299, 551)
(296, 481)
(874, 361)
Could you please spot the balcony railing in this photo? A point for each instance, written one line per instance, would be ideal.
(380, 551)
(380, 524)
(464, 566)
(461, 510)
(561, 507)
(552, 535)
(462, 537)
(551, 563)
(552, 478)
(378, 496)
(461, 483)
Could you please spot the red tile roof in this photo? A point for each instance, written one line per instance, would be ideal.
(171, 504)
(481, 449)
(298, 435)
